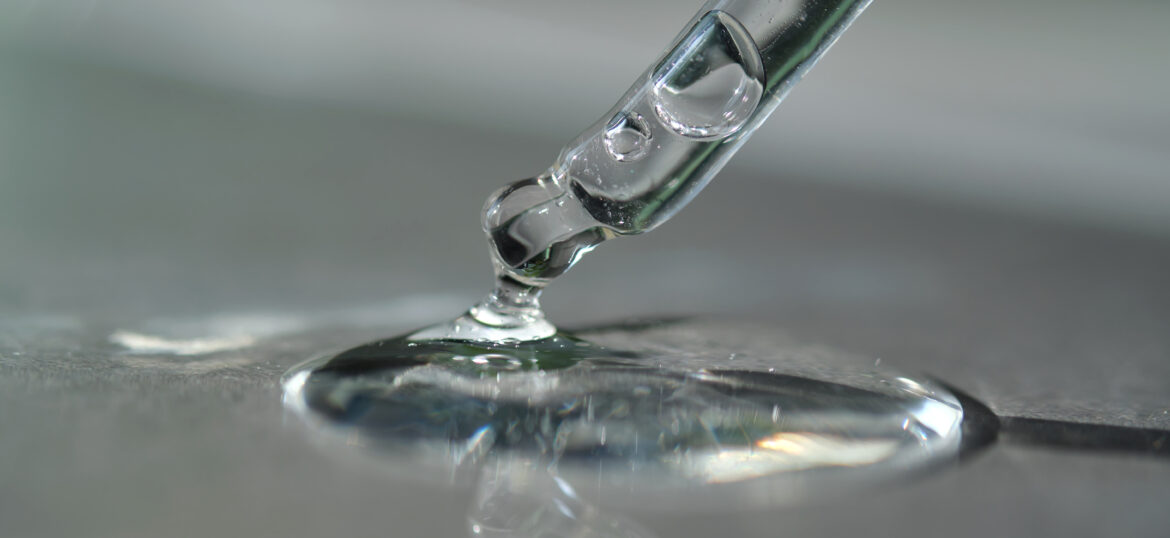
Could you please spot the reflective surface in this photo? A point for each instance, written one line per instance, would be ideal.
(627, 415)
(521, 498)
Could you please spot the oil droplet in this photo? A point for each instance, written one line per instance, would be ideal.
(709, 85)
(627, 137)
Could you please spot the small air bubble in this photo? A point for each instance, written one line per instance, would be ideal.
(627, 138)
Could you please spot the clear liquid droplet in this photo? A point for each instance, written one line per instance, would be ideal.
(664, 423)
(627, 137)
(711, 82)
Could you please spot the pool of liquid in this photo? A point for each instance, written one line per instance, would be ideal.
(627, 412)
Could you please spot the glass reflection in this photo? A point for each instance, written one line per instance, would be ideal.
(521, 498)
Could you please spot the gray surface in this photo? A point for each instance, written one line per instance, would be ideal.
(135, 204)
(108, 442)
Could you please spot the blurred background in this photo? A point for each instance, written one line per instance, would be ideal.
(978, 190)
(301, 138)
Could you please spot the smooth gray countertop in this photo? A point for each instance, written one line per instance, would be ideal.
(252, 235)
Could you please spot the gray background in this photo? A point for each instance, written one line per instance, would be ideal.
(977, 191)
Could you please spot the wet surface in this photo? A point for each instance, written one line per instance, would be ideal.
(126, 424)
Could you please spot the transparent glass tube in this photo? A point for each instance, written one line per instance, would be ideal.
(666, 138)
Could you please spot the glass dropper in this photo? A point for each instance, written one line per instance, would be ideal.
(644, 160)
